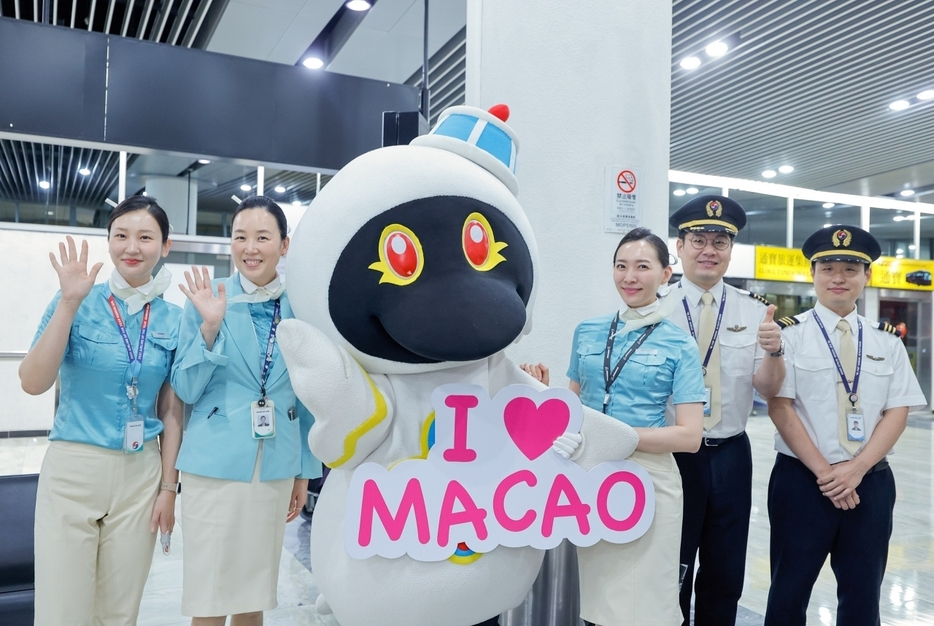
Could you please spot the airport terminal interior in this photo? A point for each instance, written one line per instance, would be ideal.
(809, 113)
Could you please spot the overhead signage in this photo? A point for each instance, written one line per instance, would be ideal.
(491, 478)
(783, 264)
(892, 273)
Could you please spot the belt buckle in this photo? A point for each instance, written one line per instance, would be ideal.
(711, 442)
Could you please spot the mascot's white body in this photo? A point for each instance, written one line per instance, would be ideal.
(369, 408)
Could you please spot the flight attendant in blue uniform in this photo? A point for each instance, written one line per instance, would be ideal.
(106, 485)
(628, 365)
(245, 460)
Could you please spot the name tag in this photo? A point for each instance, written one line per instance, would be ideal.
(855, 429)
(647, 351)
(707, 402)
(133, 436)
(264, 420)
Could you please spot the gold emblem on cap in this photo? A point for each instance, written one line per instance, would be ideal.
(714, 209)
(842, 237)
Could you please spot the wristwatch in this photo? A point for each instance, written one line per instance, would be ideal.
(173, 487)
(781, 349)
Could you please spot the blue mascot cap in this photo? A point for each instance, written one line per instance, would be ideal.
(480, 136)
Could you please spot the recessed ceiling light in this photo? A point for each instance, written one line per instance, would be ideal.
(898, 218)
(678, 192)
(927, 94)
(44, 184)
(84, 171)
(716, 49)
(899, 105)
(906, 192)
(280, 189)
(911, 246)
(50, 212)
(313, 63)
(786, 169)
(691, 190)
(900, 251)
(204, 161)
(245, 187)
(358, 5)
(296, 203)
(768, 174)
(690, 63)
(828, 205)
(827, 225)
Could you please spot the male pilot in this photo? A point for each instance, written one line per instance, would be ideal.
(740, 348)
(842, 407)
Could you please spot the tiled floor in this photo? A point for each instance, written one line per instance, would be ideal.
(908, 589)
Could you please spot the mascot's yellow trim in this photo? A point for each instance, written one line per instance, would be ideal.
(379, 414)
(494, 258)
(383, 266)
(464, 560)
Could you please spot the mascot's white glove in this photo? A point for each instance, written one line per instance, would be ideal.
(566, 444)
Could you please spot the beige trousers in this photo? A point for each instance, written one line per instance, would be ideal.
(93, 545)
(636, 584)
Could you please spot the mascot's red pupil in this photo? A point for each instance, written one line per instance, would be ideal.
(476, 243)
(401, 254)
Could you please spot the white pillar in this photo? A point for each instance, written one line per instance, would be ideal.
(588, 85)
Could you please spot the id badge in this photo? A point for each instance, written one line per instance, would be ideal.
(133, 436)
(855, 429)
(264, 420)
(707, 403)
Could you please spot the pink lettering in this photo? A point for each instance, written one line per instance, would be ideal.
(638, 507)
(573, 508)
(499, 501)
(471, 513)
(460, 453)
(413, 501)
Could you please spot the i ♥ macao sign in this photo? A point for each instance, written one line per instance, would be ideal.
(492, 479)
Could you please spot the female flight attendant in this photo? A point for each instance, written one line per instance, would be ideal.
(245, 460)
(628, 365)
(106, 484)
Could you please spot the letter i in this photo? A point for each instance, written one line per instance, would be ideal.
(460, 453)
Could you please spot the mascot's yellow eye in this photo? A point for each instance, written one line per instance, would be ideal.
(400, 256)
(480, 247)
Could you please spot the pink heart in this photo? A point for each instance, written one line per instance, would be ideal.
(534, 428)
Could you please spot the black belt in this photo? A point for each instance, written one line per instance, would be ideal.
(710, 442)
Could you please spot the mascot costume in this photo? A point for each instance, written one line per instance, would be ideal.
(415, 267)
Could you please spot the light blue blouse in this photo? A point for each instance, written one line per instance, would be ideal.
(221, 383)
(666, 365)
(93, 407)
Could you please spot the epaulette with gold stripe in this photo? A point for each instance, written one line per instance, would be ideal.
(885, 326)
(785, 322)
(756, 296)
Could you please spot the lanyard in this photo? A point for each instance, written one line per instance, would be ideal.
(610, 377)
(136, 360)
(267, 362)
(853, 397)
(716, 329)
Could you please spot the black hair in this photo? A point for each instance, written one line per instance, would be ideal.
(267, 204)
(644, 234)
(141, 203)
(683, 233)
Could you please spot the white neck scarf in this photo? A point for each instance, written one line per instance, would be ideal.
(254, 293)
(137, 297)
(651, 313)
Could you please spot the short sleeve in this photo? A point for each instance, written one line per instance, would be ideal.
(49, 311)
(904, 390)
(788, 389)
(574, 366)
(688, 384)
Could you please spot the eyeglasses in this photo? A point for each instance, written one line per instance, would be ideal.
(720, 243)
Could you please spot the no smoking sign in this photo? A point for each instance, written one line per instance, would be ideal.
(626, 181)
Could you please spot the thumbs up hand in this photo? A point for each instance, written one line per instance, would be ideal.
(770, 335)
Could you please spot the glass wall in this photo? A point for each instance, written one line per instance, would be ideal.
(811, 216)
(894, 230)
(765, 218)
(43, 183)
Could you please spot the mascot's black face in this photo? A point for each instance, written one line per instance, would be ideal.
(436, 279)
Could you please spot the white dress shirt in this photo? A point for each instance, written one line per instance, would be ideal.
(887, 379)
(740, 353)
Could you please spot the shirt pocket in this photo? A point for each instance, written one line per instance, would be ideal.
(97, 348)
(159, 350)
(875, 380)
(815, 377)
(737, 353)
(650, 370)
